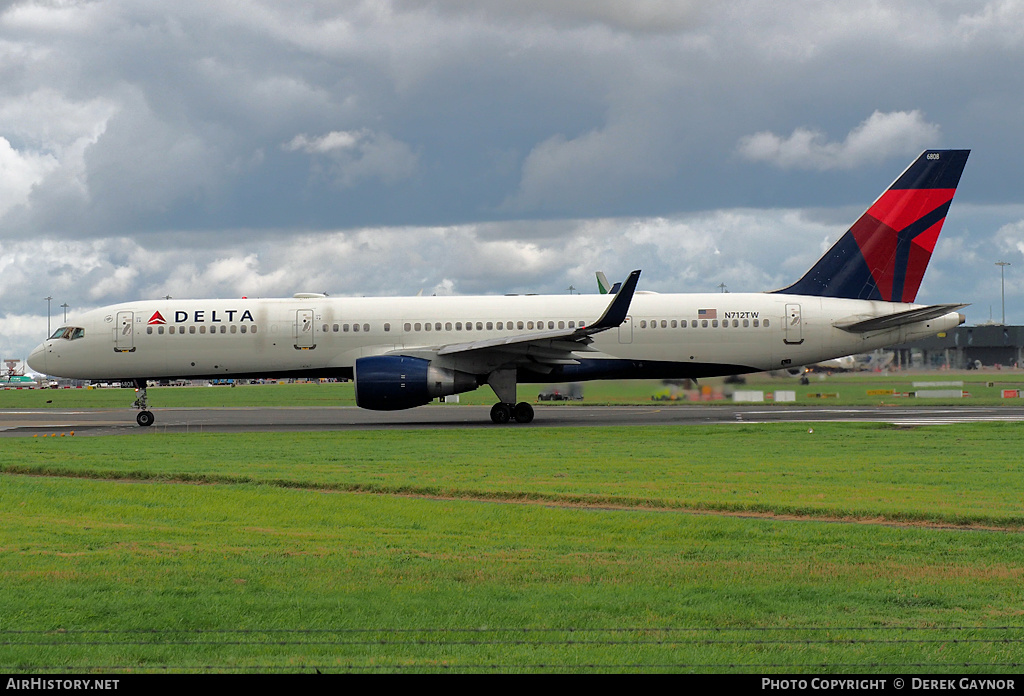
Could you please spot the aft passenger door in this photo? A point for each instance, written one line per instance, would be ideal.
(794, 326)
(124, 333)
(304, 335)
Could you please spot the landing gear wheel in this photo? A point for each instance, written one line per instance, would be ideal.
(145, 418)
(501, 413)
(523, 412)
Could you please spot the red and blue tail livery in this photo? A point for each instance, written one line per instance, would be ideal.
(883, 256)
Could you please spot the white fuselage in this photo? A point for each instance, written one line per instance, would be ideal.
(664, 335)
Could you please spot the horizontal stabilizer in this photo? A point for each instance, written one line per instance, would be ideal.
(892, 321)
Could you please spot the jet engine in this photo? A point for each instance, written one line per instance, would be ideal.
(394, 382)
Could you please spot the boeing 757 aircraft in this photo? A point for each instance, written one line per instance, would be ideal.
(406, 351)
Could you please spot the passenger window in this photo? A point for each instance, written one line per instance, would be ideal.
(674, 323)
(490, 326)
(479, 326)
(766, 323)
(202, 329)
(245, 329)
(561, 324)
(191, 329)
(703, 323)
(756, 323)
(160, 330)
(355, 327)
(746, 323)
(387, 327)
(234, 329)
(417, 326)
(458, 326)
(426, 327)
(336, 328)
(572, 325)
(408, 327)
(149, 329)
(448, 326)
(519, 325)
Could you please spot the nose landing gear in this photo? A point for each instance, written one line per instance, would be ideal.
(145, 417)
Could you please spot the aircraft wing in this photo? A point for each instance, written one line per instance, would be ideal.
(892, 321)
(542, 349)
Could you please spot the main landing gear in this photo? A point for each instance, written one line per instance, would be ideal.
(503, 382)
(145, 416)
(503, 413)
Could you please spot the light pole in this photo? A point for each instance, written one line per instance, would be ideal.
(1002, 285)
(65, 307)
(48, 316)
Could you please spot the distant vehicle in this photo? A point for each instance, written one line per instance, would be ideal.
(570, 392)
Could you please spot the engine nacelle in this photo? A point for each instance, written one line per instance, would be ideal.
(394, 382)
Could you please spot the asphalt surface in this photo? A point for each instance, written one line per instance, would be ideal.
(83, 422)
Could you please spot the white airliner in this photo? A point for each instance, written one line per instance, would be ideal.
(406, 351)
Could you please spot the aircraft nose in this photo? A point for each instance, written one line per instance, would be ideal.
(37, 359)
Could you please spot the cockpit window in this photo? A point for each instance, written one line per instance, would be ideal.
(68, 333)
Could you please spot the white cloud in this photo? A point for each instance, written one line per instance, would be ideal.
(20, 172)
(355, 156)
(880, 136)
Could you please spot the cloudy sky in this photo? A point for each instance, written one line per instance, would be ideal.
(362, 147)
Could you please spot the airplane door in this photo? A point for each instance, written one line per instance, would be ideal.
(794, 325)
(124, 333)
(304, 330)
(626, 331)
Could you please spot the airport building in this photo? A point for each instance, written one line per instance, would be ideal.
(965, 347)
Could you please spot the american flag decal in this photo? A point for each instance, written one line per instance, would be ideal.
(707, 313)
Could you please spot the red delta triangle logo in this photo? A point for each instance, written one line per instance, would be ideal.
(157, 318)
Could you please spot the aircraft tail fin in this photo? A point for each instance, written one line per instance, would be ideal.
(883, 256)
(604, 287)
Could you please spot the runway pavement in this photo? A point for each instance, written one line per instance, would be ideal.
(26, 423)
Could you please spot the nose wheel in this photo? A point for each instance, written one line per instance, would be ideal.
(145, 416)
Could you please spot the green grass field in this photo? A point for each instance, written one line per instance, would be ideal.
(855, 548)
